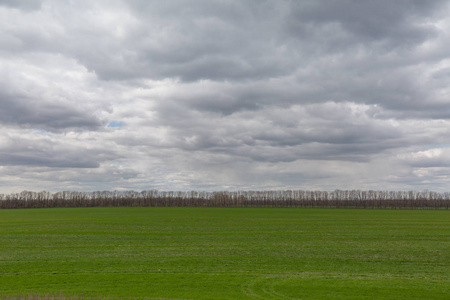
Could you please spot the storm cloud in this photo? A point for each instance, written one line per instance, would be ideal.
(224, 95)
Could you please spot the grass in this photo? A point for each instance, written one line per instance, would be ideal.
(224, 253)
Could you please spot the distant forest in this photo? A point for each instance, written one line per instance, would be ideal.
(282, 198)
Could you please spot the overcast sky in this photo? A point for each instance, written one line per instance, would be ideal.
(224, 95)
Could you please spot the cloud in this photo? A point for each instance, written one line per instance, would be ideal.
(224, 95)
(432, 158)
(26, 5)
(50, 92)
(41, 148)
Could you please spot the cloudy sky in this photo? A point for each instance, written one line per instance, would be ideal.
(224, 95)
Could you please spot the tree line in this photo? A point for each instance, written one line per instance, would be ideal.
(279, 198)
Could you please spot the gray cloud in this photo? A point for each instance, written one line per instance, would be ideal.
(49, 92)
(39, 148)
(401, 22)
(433, 158)
(224, 95)
(27, 5)
(28, 112)
(37, 159)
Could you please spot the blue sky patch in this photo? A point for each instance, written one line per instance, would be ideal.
(115, 124)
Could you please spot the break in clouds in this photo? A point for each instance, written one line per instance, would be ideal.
(224, 95)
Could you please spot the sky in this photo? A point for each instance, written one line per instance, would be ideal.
(224, 95)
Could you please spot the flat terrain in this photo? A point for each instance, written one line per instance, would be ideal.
(226, 253)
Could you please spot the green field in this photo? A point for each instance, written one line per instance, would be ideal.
(226, 253)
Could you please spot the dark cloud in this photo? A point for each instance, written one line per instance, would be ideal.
(27, 5)
(44, 150)
(32, 113)
(204, 40)
(34, 159)
(399, 24)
